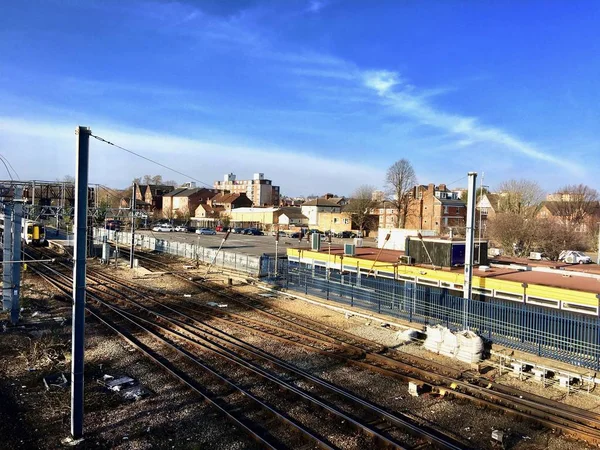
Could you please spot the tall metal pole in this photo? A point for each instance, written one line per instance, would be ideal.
(16, 253)
(598, 259)
(79, 268)
(7, 257)
(469, 245)
(479, 245)
(131, 252)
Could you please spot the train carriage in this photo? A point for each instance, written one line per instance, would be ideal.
(32, 231)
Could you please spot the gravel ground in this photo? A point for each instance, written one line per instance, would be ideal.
(170, 417)
(33, 418)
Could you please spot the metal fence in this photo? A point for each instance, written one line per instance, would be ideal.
(561, 335)
(232, 260)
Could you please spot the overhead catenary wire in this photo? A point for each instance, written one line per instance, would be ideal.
(7, 169)
(4, 158)
(150, 160)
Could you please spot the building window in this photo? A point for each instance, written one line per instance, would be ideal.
(445, 210)
(346, 221)
(335, 220)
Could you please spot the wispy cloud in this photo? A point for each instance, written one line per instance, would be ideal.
(315, 6)
(284, 166)
(389, 87)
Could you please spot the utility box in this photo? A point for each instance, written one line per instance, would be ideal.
(105, 252)
(349, 250)
(315, 242)
(443, 252)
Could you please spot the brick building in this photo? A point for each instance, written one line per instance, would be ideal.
(435, 208)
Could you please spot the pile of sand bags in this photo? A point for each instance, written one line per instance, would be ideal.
(464, 345)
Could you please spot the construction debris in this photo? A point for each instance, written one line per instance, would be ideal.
(127, 387)
(57, 380)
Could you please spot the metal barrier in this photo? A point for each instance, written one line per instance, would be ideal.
(561, 335)
(237, 261)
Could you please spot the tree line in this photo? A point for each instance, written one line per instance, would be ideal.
(523, 220)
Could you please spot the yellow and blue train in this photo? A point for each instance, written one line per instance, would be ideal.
(32, 232)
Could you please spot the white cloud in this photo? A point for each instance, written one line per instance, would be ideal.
(315, 6)
(409, 103)
(52, 144)
(381, 80)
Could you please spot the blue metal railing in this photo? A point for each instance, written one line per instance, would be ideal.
(562, 335)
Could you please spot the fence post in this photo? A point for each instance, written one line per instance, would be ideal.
(305, 282)
(328, 289)
(351, 291)
(598, 341)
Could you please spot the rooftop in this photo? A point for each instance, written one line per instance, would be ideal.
(564, 280)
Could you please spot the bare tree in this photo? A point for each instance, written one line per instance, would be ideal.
(360, 207)
(512, 232)
(552, 237)
(183, 214)
(170, 183)
(574, 204)
(521, 197)
(400, 180)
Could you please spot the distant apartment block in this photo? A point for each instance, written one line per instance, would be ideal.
(259, 190)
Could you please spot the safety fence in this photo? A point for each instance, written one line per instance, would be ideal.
(561, 335)
(232, 260)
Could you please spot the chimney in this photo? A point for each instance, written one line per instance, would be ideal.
(431, 187)
(442, 187)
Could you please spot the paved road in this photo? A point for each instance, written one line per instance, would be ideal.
(252, 245)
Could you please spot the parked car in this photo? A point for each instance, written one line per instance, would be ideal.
(344, 234)
(182, 228)
(113, 225)
(295, 235)
(253, 231)
(205, 231)
(281, 233)
(574, 257)
(163, 227)
(237, 230)
(222, 228)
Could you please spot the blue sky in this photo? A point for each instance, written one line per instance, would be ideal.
(321, 96)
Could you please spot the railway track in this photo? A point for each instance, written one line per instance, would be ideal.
(280, 378)
(571, 421)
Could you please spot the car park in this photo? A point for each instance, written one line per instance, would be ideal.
(163, 227)
(205, 231)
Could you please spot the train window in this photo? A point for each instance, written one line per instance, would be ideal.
(428, 282)
(543, 302)
(481, 291)
(509, 296)
(385, 274)
(585, 309)
(406, 278)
